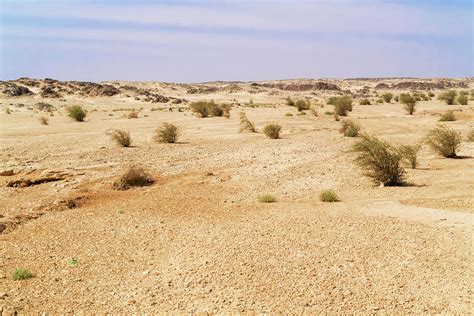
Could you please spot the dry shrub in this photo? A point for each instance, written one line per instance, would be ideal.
(290, 102)
(447, 117)
(448, 97)
(266, 198)
(387, 97)
(134, 176)
(444, 141)
(132, 114)
(76, 112)
(209, 108)
(342, 105)
(201, 108)
(470, 136)
(121, 137)
(349, 128)
(44, 120)
(272, 130)
(364, 102)
(226, 110)
(245, 124)
(462, 99)
(328, 196)
(167, 133)
(410, 154)
(380, 160)
(302, 105)
(409, 103)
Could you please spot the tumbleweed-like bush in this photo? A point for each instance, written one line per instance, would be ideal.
(444, 141)
(167, 133)
(272, 130)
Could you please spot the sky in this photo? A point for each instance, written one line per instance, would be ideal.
(240, 40)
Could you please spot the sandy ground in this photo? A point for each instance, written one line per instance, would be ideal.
(198, 240)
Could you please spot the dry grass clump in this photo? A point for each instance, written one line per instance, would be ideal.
(447, 117)
(349, 128)
(245, 124)
(448, 97)
(410, 154)
(266, 198)
(364, 102)
(134, 176)
(167, 133)
(76, 112)
(380, 160)
(44, 120)
(21, 274)
(342, 105)
(444, 141)
(121, 137)
(302, 105)
(132, 114)
(387, 97)
(409, 103)
(272, 130)
(328, 196)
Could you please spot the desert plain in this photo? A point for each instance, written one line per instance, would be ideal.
(198, 240)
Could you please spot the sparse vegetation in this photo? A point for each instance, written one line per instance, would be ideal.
(349, 128)
(387, 97)
(409, 103)
(245, 124)
(447, 117)
(448, 97)
(134, 176)
(328, 196)
(76, 112)
(410, 154)
(288, 114)
(364, 102)
(290, 102)
(21, 274)
(380, 160)
(121, 137)
(209, 108)
(396, 98)
(44, 120)
(444, 141)
(167, 133)
(272, 130)
(266, 198)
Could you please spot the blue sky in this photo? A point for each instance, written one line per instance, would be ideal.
(193, 41)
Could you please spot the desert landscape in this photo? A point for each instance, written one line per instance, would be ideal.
(275, 197)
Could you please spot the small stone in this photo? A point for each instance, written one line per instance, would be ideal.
(6, 172)
(146, 272)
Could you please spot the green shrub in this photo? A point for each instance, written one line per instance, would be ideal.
(288, 114)
(387, 97)
(349, 128)
(380, 160)
(76, 112)
(409, 103)
(209, 108)
(121, 137)
(266, 198)
(448, 96)
(167, 133)
(462, 99)
(447, 117)
(245, 124)
(342, 105)
(302, 105)
(21, 274)
(272, 130)
(328, 196)
(134, 176)
(328, 113)
(364, 102)
(444, 141)
(410, 154)
(331, 101)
